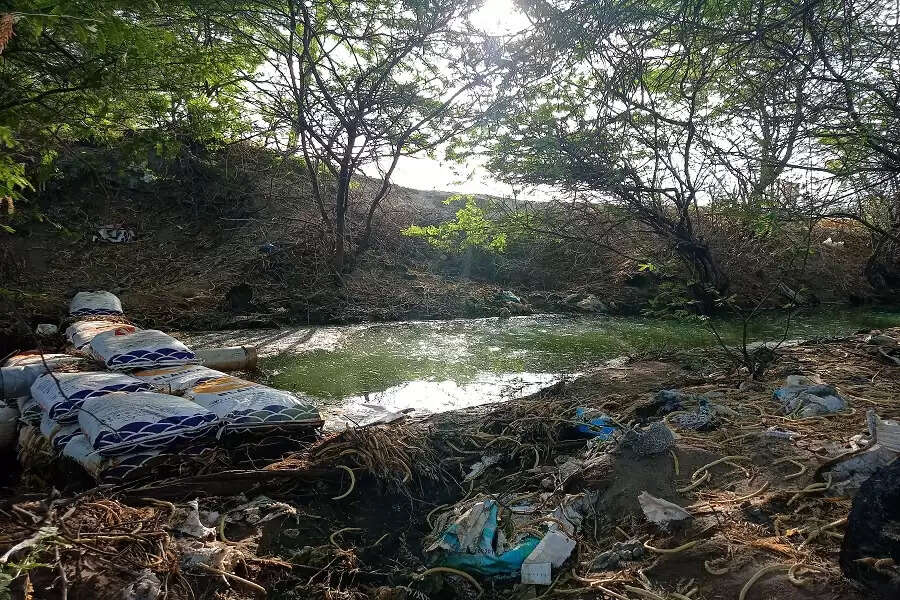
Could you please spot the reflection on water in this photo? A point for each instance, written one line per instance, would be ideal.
(441, 365)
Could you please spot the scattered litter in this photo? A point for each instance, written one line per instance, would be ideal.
(482, 465)
(189, 522)
(620, 552)
(260, 510)
(809, 397)
(468, 542)
(656, 438)
(786, 434)
(94, 303)
(536, 573)
(145, 587)
(849, 474)
(508, 296)
(702, 420)
(659, 511)
(554, 548)
(596, 425)
(114, 234)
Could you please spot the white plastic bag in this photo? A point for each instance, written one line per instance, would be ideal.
(245, 406)
(94, 303)
(81, 333)
(59, 434)
(20, 371)
(62, 394)
(141, 349)
(174, 380)
(125, 423)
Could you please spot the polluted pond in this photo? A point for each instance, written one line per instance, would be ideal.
(143, 465)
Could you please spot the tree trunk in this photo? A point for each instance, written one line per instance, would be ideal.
(711, 283)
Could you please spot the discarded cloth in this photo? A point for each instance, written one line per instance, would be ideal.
(807, 397)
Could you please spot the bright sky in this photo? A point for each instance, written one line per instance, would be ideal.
(496, 17)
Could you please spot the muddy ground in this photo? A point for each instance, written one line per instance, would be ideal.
(336, 539)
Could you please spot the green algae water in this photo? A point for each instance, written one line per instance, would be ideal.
(434, 366)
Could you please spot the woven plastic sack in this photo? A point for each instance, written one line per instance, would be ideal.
(79, 449)
(245, 406)
(125, 423)
(59, 434)
(62, 394)
(140, 350)
(174, 380)
(94, 303)
(81, 333)
(20, 371)
(29, 410)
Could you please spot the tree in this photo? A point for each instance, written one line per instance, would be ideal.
(158, 74)
(661, 109)
(351, 86)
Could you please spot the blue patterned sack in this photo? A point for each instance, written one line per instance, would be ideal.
(94, 303)
(142, 349)
(127, 423)
(62, 394)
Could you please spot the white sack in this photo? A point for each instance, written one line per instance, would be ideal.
(62, 394)
(81, 333)
(174, 380)
(94, 303)
(140, 350)
(20, 371)
(125, 423)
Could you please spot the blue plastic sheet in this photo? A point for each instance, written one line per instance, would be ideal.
(600, 426)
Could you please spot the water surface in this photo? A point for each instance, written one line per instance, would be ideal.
(362, 371)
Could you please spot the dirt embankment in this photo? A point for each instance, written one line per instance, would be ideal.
(357, 510)
(237, 240)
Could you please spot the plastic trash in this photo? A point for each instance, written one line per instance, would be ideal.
(809, 397)
(94, 303)
(554, 548)
(596, 425)
(702, 420)
(656, 438)
(659, 511)
(141, 349)
(470, 543)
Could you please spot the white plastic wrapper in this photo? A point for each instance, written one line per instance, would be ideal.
(62, 394)
(141, 349)
(81, 333)
(126, 423)
(174, 380)
(20, 371)
(247, 406)
(94, 303)
(59, 434)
